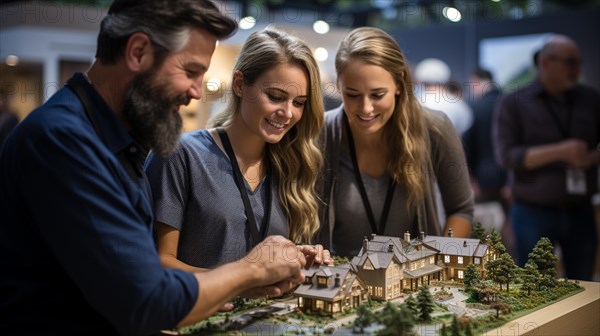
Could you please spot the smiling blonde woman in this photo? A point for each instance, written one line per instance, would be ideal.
(385, 154)
(254, 174)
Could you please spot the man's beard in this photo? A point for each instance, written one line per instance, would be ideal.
(153, 117)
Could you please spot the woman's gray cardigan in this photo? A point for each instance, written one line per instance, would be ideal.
(448, 163)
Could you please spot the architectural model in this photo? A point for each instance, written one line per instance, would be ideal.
(387, 267)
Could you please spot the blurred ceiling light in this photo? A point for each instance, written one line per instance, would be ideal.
(495, 0)
(213, 84)
(321, 27)
(11, 60)
(382, 3)
(516, 13)
(452, 14)
(247, 22)
(321, 54)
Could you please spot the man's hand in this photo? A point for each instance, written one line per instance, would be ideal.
(274, 260)
(575, 153)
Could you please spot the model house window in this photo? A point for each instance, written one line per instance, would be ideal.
(308, 280)
(477, 261)
(460, 274)
(460, 260)
(370, 289)
(413, 266)
(336, 307)
(322, 281)
(432, 260)
(378, 291)
(447, 259)
(422, 263)
(319, 304)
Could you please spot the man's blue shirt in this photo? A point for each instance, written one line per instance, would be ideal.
(76, 248)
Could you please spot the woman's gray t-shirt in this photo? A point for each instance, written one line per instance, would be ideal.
(195, 192)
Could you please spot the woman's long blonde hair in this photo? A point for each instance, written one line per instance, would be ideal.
(406, 133)
(296, 159)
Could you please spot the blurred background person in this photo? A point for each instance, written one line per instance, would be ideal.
(547, 134)
(488, 178)
(435, 90)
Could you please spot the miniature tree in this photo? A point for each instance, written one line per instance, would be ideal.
(545, 260)
(387, 313)
(530, 275)
(494, 241)
(469, 329)
(486, 292)
(454, 327)
(506, 270)
(492, 270)
(444, 330)
(478, 231)
(425, 303)
(364, 317)
(500, 307)
(472, 277)
(399, 321)
(411, 304)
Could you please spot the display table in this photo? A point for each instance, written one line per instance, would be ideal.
(576, 315)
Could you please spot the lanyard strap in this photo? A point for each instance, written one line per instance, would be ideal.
(363, 192)
(239, 181)
(565, 130)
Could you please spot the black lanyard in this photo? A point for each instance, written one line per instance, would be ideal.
(239, 181)
(565, 130)
(363, 192)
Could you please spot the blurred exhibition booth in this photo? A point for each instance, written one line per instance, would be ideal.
(43, 43)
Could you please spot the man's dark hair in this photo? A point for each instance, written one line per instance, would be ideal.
(166, 22)
(482, 73)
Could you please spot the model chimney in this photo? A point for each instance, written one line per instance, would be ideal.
(449, 232)
(373, 236)
(365, 244)
(407, 237)
(422, 236)
(337, 280)
(390, 247)
(465, 243)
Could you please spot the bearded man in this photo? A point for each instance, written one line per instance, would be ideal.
(77, 255)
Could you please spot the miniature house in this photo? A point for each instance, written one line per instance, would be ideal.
(390, 265)
(455, 254)
(330, 289)
(386, 266)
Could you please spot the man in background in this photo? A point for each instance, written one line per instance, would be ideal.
(547, 135)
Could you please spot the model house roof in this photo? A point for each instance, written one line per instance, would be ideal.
(345, 275)
(429, 269)
(467, 247)
(385, 246)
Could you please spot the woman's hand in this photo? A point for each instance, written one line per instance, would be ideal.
(315, 254)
